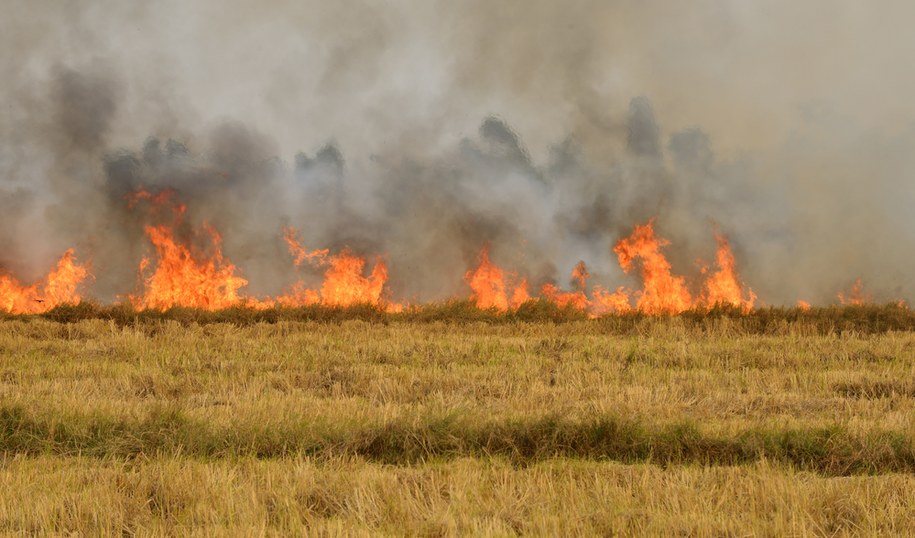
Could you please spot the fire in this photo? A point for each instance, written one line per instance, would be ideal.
(520, 295)
(580, 275)
(575, 299)
(803, 305)
(299, 252)
(662, 291)
(344, 283)
(57, 288)
(182, 273)
(604, 302)
(182, 276)
(855, 295)
(488, 284)
(723, 286)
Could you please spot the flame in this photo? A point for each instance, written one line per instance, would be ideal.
(344, 283)
(803, 305)
(580, 274)
(855, 295)
(723, 286)
(520, 295)
(184, 277)
(575, 299)
(57, 288)
(488, 284)
(604, 302)
(662, 292)
(182, 273)
(298, 252)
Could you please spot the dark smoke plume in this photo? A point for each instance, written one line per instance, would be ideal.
(420, 131)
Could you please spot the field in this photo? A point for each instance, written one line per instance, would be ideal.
(449, 422)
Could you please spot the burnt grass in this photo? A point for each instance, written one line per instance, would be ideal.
(168, 431)
(863, 319)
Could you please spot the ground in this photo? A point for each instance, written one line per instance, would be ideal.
(649, 427)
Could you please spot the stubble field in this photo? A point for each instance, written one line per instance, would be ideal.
(697, 426)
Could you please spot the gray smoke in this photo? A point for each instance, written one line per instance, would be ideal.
(419, 131)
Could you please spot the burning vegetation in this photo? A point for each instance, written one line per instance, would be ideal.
(57, 288)
(186, 268)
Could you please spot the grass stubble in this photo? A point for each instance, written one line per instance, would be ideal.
(356, 422)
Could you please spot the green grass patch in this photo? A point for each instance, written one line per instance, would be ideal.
(167, 430)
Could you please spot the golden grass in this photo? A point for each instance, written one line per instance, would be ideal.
(166, 427)
(250, 497)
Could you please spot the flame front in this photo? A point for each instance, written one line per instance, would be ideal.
(662, 291)
(183, 274)
(58, 287)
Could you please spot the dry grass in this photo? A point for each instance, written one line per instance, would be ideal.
(158, 426)
(862, 319)
(295, 496)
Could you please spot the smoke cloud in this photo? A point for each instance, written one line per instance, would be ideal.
(420, 131)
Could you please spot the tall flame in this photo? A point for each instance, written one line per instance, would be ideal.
(488, 284)
(723, 286)
(57, 288)
(491, 286)
(662, 291)
(182, 276)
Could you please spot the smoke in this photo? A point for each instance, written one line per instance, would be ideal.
(420, 131)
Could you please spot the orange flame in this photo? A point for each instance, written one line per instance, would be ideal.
(723, 286)
(490, 290)
(575, 299)
(580, 274)
(662, 292)
(488, 284)
(604, 302)
(804, 306)
(520, 295)
(491, 286)
(183, 277)
(856, 295)
(344, 283)
(57, 288)
(183, 274)
(298, 252)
